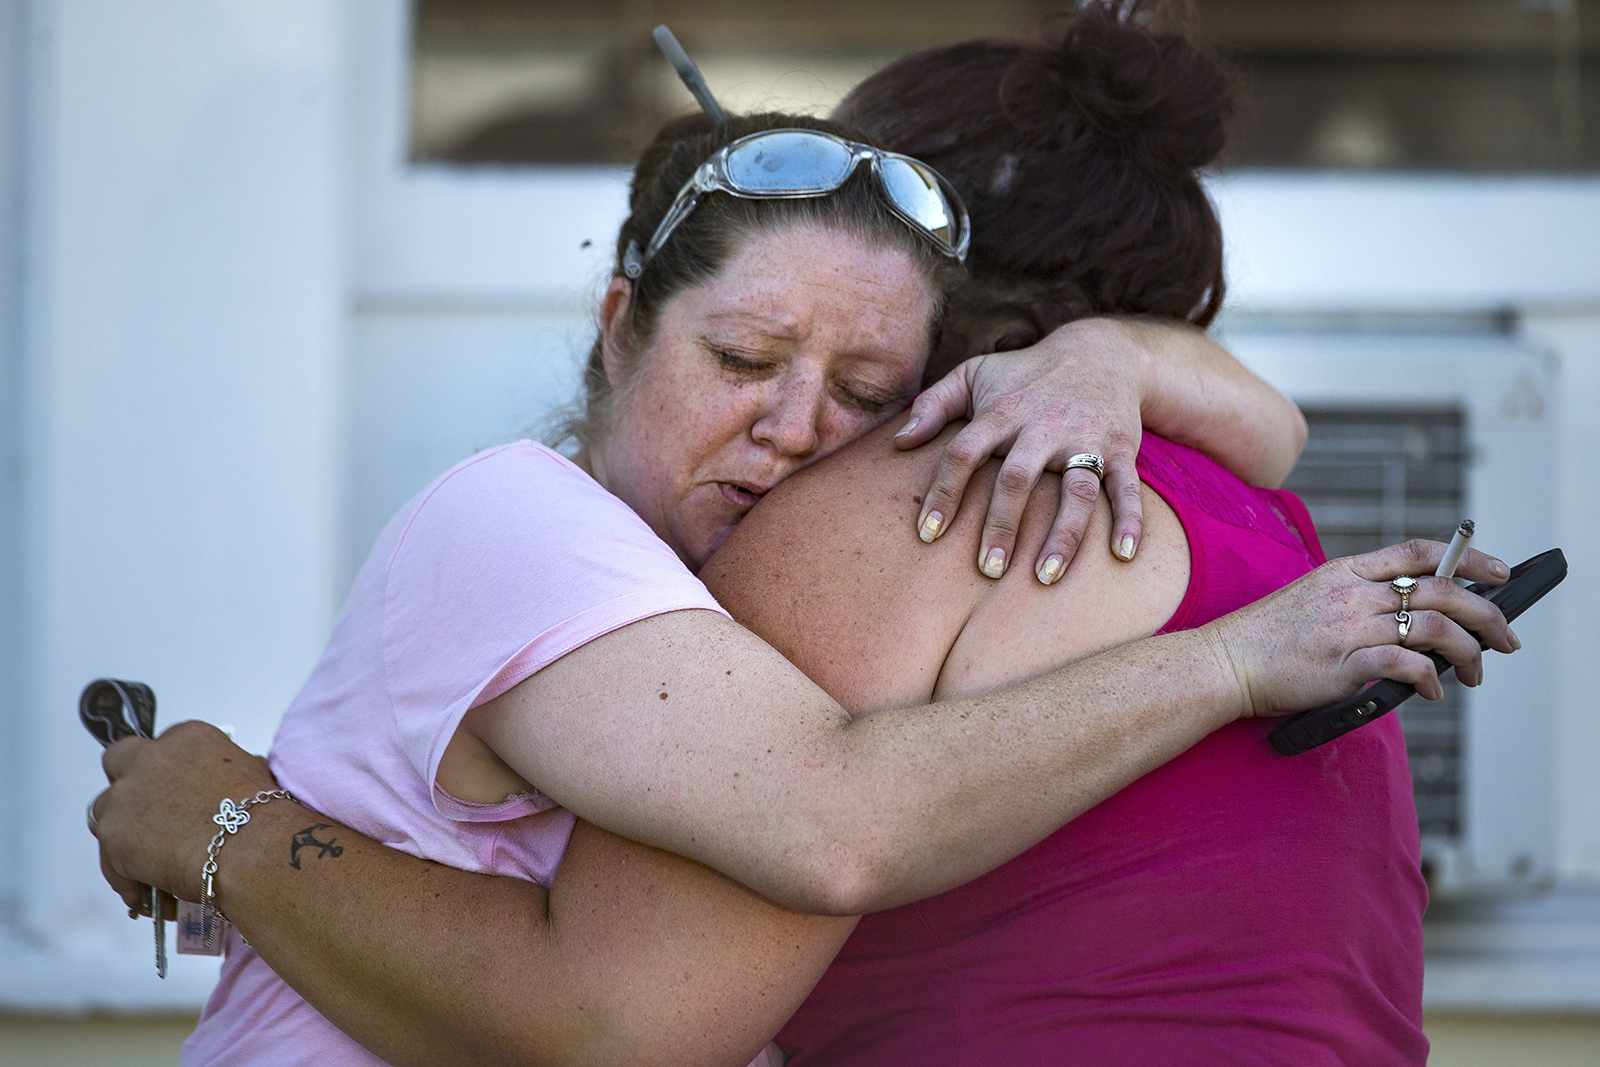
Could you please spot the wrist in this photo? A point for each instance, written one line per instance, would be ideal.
(233, 858)
(1235, 697)
(1129, 347)
(1139, 344)
(206, 828)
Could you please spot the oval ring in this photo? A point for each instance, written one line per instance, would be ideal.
(94, 823)
(1405, 586)
(1088, 461)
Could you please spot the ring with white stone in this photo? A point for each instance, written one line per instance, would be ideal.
(1405, 586)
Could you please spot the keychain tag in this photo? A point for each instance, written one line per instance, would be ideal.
(191, 940)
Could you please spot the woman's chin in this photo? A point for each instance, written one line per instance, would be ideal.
(695, 551)
(714, 542)
(703, 528)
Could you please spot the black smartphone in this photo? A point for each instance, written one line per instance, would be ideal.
(1530, 580)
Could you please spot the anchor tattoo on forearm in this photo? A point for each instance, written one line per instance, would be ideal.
(307, 838)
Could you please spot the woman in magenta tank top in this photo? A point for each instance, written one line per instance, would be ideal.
(1233, 906)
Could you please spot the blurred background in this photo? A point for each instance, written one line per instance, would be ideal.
(267, 269)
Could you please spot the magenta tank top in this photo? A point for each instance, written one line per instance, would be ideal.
(1233, 907)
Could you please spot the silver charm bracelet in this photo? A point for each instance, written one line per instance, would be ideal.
(230, 816)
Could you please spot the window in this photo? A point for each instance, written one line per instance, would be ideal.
(565, 81)
(1352, 84)
(1414, 84)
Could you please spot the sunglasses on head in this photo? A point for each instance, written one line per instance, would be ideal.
(794, 164)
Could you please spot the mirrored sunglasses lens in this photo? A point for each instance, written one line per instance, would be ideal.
(916, 192)
(789, 163)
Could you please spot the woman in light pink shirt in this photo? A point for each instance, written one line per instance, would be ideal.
(518, 649)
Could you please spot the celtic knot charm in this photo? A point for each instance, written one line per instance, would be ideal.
(231, 816)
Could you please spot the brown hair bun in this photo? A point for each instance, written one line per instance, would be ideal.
(1109, 77)
(1077, 154)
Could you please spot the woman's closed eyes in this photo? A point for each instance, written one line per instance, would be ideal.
(854, 391)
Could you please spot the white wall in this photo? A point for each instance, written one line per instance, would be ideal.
(182, 418)
(251, 330)
(1574, 334)
(11, 172)
(1320, 242)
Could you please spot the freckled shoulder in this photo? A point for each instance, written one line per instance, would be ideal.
(829, 570)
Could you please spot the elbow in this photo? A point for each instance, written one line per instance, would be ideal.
(1281, 449)
(847, 882)
(1295, 434)
(836, 889)
(828, 879)
(1299, 432)
(852, 890)
(852, 850)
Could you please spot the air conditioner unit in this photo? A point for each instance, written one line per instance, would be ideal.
(1414, 426)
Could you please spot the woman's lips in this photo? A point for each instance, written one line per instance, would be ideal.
(742, 497)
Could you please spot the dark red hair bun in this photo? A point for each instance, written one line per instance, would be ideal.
(1077, 154)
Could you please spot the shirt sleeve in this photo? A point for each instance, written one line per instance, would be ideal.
(507, 563)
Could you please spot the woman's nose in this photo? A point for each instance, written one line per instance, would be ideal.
(790, 425)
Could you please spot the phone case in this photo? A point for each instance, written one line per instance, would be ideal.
(1530, 580)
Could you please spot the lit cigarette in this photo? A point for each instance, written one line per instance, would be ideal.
(1457, 549)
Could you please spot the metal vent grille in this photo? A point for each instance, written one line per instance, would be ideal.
(1372, 477)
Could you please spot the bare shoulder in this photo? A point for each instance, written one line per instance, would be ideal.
(829, 570)
(1022, 629)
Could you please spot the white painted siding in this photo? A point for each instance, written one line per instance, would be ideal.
(248, 330)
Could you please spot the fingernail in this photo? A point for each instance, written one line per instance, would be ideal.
(908, 427)
(1125, 549)
(994, 564)
(1516, 642)
(932, 523)
(1050, 569)
(1498, 569)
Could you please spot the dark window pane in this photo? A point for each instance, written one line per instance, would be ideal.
(564, 81)
(1415, 84)
(1387, 84)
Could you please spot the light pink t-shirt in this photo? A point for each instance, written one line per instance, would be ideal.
(502, 566)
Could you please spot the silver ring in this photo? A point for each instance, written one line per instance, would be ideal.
(94, 823)
(1088, 461)
(1405, 586)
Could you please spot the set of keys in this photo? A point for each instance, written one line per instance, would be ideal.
(111, 710)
